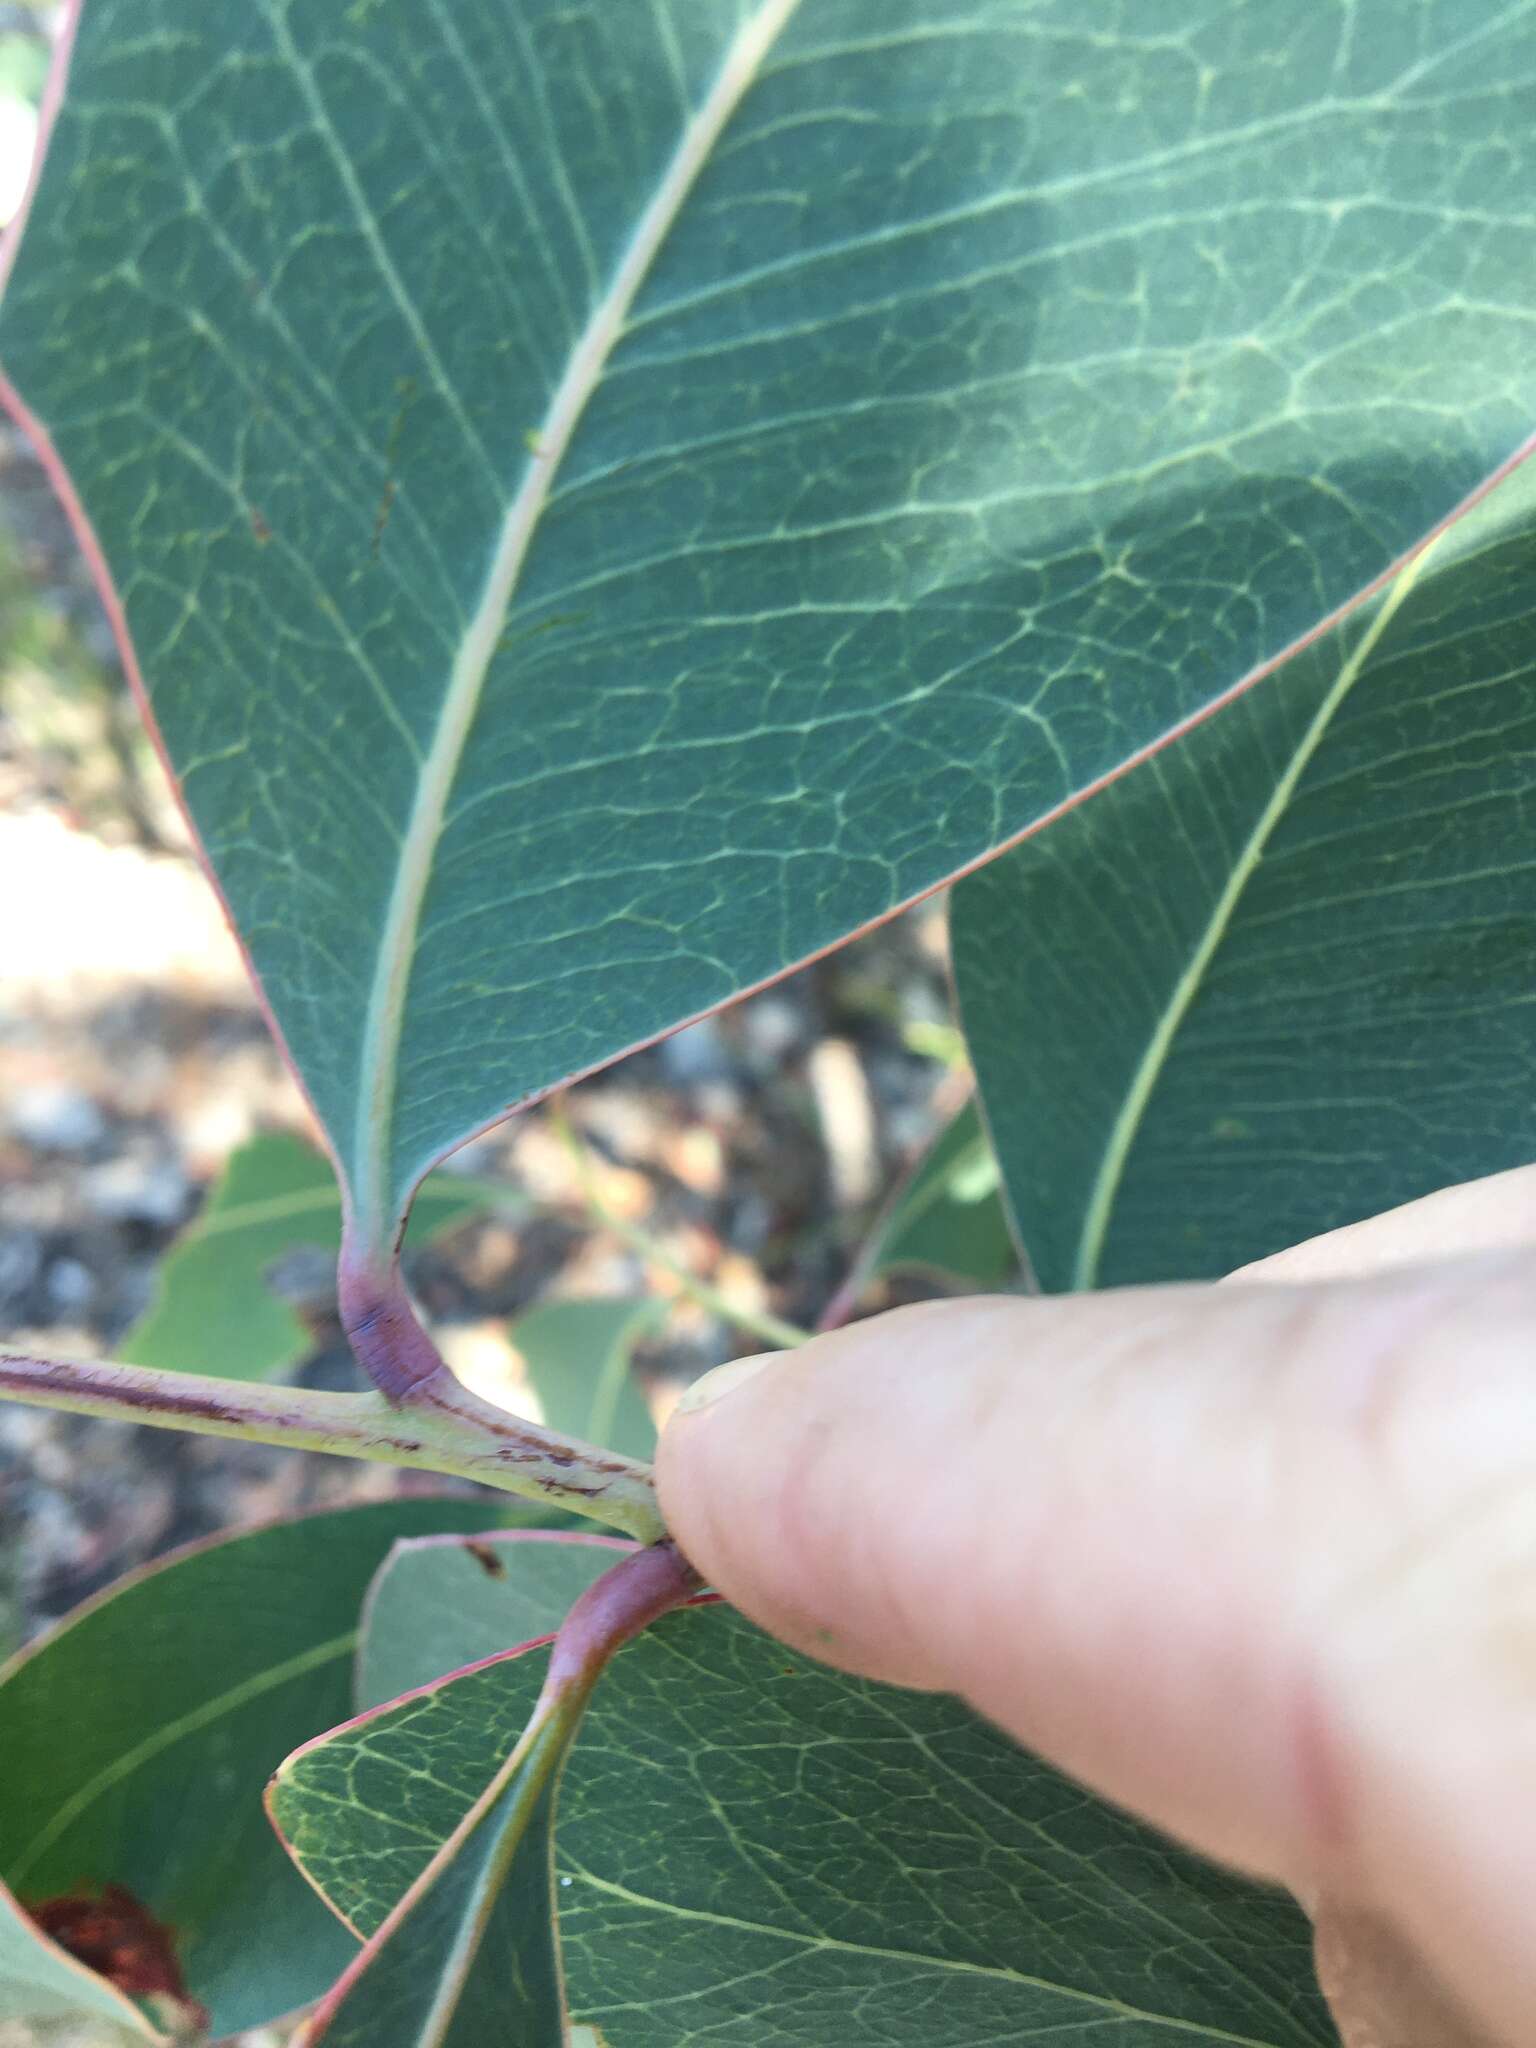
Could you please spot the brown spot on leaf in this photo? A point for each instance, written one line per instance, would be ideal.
(113, 1934)
(493, 1566)
(381, 516)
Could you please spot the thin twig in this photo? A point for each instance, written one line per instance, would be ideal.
(453, 1433)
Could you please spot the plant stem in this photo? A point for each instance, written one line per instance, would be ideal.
(630, 1595)
(449, 1432)
(772, 1329)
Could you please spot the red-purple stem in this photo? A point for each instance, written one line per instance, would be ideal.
(628, 1597)
(386, 1338)
(445, 1428)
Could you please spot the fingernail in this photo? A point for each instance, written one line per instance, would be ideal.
(724, 1379)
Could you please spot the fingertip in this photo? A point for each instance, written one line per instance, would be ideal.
(765, 1482)
(724, 1379)
(717, 1494)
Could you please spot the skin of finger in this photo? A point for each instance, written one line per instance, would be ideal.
(1380, 1990)
(1492, 1214)
(1433, 1671)
(1168, 1538)
(1465, 1933)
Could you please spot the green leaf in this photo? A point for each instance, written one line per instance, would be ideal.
(607, 501)
(439, 1602)
(577, 1358)
(463, 1951)
(469, 1954)
(1280, 978)
(137, 1738)
(213, 1310)
(946, 1220)
(754, 1850)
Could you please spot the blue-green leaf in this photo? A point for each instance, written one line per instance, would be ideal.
(455, 1900)
(439, 1602)
(467, 1954)
(1283, 976)
(138, 1735)
(755, 1852)
(607, 499)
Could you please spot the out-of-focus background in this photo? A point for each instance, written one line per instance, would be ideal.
(728, 1175)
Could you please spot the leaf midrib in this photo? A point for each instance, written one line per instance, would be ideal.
(170, 1733)
(525, 1788)
(261, 1210)
(997, 1972)
(1099, 1210)
(256, 1213)
(375, 1214)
